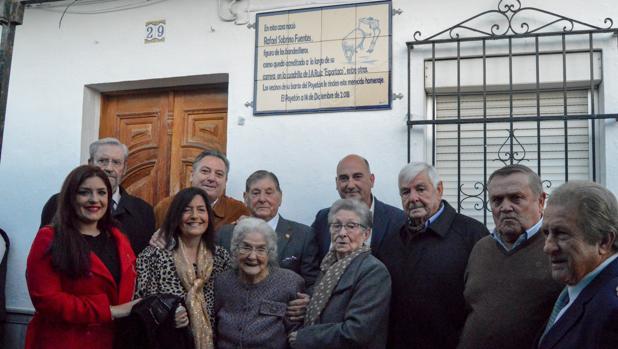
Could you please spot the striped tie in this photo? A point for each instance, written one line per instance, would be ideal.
(561, 302)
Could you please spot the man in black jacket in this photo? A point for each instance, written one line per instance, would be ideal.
(134, 214)
(427, 258)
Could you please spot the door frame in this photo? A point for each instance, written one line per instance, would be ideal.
(91, 111)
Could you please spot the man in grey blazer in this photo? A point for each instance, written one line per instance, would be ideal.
(297, 248)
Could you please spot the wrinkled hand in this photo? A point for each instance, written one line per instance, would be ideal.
(123, 310)
(292, 338)
(181, 318)
(156, 240)
(297, 307)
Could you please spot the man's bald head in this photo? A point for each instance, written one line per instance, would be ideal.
(354, 178)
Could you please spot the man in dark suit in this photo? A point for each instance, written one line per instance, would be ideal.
(354, 181)
(581, 230)
(135, 215)
(296, 246)
(426, 258)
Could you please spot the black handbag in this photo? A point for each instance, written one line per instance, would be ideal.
(151, 325)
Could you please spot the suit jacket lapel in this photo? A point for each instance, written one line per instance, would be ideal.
(572, 315)
(284, 233)
(379, 224)
(121, 205)
(564, 324)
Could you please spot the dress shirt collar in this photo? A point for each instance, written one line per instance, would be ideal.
(371, 210)
(533, 230)
(116, 197)
(218, 207)
(435, 215)
(576, 290)
(440, 222)
(439, 227)
(273, 222)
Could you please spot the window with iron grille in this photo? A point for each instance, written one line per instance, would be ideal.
(521, 94)
(496, 143)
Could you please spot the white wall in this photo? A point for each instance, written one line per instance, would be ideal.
(51, 66)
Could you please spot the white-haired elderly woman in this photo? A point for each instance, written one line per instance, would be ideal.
(251, 298)
(350, 303)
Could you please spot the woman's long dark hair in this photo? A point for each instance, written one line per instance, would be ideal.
(173, 218)
(70, 253)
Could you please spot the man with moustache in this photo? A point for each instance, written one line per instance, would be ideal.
(426, 258)
(135, 215)
(581, 239)
(354, 181)
(297, 249)
(508, 285)
(210, 172)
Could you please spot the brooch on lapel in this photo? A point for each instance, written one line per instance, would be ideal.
(289, 259)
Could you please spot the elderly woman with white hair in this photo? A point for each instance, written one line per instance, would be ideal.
(251, 298)
(350, 303)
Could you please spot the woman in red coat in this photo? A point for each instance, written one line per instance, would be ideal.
(81, 269)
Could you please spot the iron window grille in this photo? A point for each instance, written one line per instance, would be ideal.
(556, 101)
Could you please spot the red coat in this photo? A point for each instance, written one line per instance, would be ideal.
(74, 313)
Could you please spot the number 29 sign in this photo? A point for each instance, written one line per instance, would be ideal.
(155, 31)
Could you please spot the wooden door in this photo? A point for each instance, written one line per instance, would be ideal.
(164, 131)
(200, 122)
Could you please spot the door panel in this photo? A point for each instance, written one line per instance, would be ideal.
(164, 131)
(200, 123)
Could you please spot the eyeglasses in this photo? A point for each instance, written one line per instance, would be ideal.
(351, 226)
(245, 249)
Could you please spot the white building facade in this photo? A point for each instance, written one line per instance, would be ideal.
(60, 73)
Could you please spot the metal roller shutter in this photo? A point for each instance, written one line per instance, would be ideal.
(497, 145)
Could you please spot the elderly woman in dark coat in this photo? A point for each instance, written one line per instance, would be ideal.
(350, 303)
(251, 299)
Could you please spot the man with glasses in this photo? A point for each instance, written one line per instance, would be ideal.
(354, 181)
(136, 216)
(426, 258)
(296, 246)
